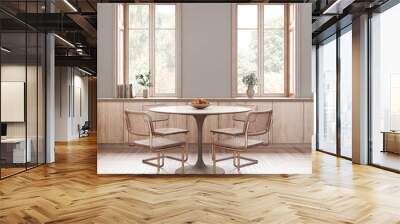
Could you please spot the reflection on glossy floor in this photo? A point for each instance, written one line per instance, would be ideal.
(12, 169)
(272, 159)
(70, 191)
(5, 172)
(387, 159)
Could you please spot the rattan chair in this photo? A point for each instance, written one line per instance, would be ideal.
(161, 125)
(255, 124)
(141, 124)
(239, 120)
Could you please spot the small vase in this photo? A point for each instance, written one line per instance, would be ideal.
(145, 93)
(250, 91)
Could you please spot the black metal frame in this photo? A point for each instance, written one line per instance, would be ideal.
(389, 4)
(29, 29)
(337, 36)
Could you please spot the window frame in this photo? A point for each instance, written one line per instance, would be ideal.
(260, 49)
(152, 49)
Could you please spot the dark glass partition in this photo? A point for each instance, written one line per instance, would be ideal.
(334, 94)
(385, 90)
(22, 77)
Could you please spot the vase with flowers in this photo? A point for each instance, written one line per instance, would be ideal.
(144, 81)
(250, 80)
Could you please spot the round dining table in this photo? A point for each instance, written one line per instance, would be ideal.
(199, 115)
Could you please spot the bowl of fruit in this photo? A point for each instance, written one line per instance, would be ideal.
(200, 103)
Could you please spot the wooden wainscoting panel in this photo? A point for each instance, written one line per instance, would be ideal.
(191, 125)
(110, 122)
(225, 120)
(308, 121)
(287, 122)
(210, 123)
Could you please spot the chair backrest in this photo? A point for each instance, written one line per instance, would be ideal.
(156, 117)
(138, 123)
(243, 116)
(86, 125)
(258, 123)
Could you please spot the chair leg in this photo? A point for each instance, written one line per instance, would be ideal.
(238, 160)
(236, 157)
(162, 159)
(186, 147)
(159, 163)
(213, 157)
(183, 160)
(239, 157)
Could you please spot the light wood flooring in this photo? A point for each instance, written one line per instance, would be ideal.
(272, 159)
(387, 159)
(70, 191)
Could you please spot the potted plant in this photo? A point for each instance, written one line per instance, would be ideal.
(250, 81)
(144, 81)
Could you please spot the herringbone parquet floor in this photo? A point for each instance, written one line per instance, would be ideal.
(69, 191)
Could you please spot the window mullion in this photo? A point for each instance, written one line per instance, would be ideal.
(261, 49)
(126, 44)
(286, 50)
(152, 48)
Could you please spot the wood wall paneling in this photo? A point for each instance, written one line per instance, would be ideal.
(292, 121)
(287, 122)
(177, 121)
(308, 121)
(110, 122)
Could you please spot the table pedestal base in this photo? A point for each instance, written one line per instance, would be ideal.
(200, 170)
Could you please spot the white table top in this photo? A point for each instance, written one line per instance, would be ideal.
(189, 110)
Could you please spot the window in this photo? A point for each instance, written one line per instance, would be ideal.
(120, 36)
(346, 92)
(327, 96)
(394, 101)
(265, 58)
(385, 88)
(292, 49)
(153, 46)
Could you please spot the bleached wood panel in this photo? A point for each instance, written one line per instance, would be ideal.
(308, 121)
(210, 123)
(287, 122)
(226, 120)
(292, 121)
(191, 125)
(177, 121)
(110, 122)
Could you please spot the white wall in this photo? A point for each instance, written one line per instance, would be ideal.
(303, 46)
(106, 48)
(67, 80)
(206, 50)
